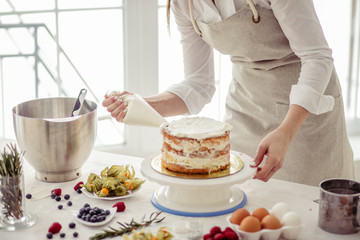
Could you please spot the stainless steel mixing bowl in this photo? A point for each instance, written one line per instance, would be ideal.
(56, 145)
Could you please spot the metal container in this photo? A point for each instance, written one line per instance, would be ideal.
(339, 206)
(56, 145)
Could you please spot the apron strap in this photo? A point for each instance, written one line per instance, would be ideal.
(255, 18)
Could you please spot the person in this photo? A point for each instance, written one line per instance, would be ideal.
(284, 102)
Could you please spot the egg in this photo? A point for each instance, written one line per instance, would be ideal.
(250, 224)
(239, 215)
(260, 213)
(270, 222)
(291, 219)
(279, 209)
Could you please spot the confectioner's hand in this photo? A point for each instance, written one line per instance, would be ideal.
(274, 146)
(115, 105)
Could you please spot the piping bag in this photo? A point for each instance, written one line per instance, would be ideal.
(139, 112)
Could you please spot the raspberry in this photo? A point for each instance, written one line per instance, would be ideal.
(55, 228)
(215, 230)
(219, 236)
(56, 191)
(77, 186)
(230, 235)
(206, 236)
(120, 206)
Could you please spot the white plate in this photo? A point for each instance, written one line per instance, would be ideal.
(95, 224)
(93, 195)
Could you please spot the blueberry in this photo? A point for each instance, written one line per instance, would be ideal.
(72, 225)
(69, 203)
(107, 212)
(49, 235)
(82, 210)
(62, 235)
(28, 196)
(79, 191)
(53, 195)
(58, 198)
(75, 234)
(92, 212)
(79, 215)
(60, 207)
(86, 205)
(67, 196)
(83, 218)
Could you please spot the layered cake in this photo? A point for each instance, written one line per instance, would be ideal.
(195, 145)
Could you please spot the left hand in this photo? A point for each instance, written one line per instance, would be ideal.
(274, 146)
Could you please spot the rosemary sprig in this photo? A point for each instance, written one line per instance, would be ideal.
(128, 227)
(10, 180)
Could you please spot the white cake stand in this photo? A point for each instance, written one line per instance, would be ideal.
(199, 197)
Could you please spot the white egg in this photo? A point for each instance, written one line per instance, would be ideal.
(291, 219)
(279, 209)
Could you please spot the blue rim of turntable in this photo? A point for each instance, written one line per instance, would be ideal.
(198, 214)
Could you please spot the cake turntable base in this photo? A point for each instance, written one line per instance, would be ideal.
(199, 197)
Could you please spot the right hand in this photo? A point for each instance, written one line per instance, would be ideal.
(115, 105)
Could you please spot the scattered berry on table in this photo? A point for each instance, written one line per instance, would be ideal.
(60, 207)
(58, 198)
(55, 228)
(72, 225)
(79, 191)
(75, 234)
(62, 235)
(77, 186)
(56, 191)
(28, 196)
(49, 235)
(53, 195)
(67, 196)
(120, 206)
(69, 203)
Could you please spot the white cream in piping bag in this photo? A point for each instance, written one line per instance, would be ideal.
(139, 112)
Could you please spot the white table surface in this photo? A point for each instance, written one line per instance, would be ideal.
(259, 194)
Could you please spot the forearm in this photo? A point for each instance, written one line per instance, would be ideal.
(293, 120)
(167, 104)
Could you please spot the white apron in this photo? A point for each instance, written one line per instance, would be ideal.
(264, 69)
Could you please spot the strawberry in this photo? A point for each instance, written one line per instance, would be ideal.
(55, 228)
(120, 206)
(56, 191)
(77, 186)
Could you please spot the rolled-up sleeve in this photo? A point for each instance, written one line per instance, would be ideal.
(198, 86)
(301, 26)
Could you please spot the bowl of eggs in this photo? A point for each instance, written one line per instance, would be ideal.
(266, 224)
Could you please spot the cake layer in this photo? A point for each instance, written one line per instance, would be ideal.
(182, 164)
(189, 146)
